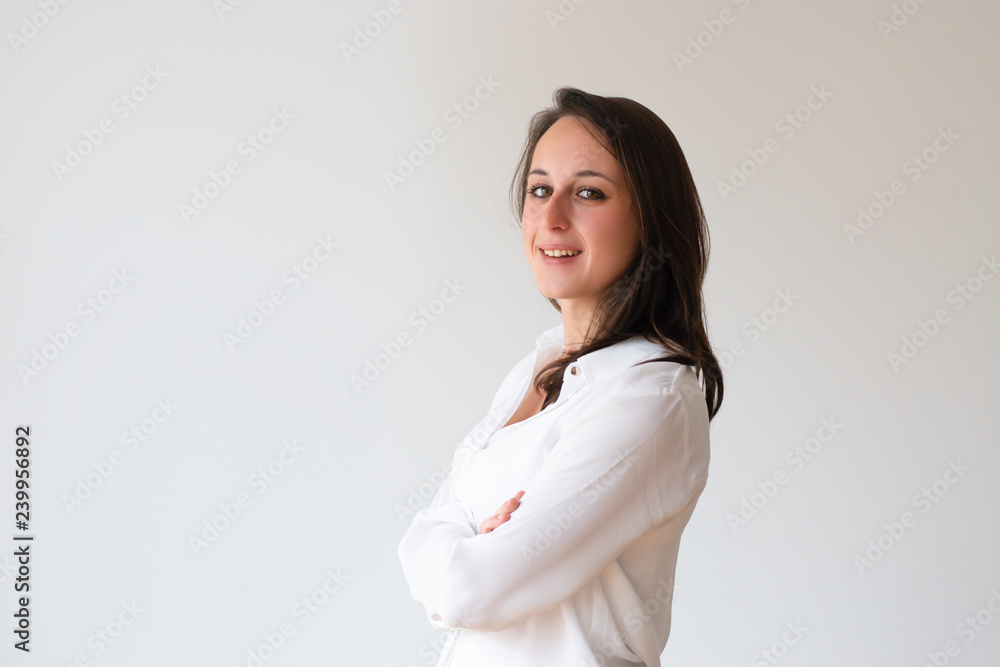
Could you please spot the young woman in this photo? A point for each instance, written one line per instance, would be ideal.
(554, 539)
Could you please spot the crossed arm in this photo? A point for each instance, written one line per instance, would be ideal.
(614, 475)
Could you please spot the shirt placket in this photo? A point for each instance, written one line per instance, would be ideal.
(573, 381)
(447, 651)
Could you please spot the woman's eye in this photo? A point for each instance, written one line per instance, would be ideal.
(592, 196)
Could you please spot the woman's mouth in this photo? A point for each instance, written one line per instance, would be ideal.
(559, 256)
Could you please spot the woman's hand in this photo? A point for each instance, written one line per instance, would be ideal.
(502, 515)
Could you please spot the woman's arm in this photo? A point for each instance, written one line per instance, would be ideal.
(445, 514)
(624, 467)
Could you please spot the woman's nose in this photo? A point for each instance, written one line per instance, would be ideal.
(554, 213)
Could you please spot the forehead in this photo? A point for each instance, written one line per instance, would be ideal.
(568, 144)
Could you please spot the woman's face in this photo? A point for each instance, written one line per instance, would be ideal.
(577, 199)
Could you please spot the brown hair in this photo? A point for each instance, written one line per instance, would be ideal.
(660, 294)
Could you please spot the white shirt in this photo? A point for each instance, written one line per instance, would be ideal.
(582, 573)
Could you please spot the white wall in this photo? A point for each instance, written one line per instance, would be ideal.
(854, 298)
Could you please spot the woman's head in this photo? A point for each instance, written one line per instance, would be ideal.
(641, 229)
(576, 200)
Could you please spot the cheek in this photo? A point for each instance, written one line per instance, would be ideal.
(621, 243)
(528, 228)
(528, 214)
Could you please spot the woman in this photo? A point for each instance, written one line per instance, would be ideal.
(554, 539)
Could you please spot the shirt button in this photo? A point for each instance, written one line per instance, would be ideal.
(573, 370)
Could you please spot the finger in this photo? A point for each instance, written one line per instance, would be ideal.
(512, 503)
(489, 524)
(502, 515)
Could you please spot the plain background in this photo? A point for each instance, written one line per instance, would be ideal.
(368, 458)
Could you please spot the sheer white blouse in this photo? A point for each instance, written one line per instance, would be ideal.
(582, 573)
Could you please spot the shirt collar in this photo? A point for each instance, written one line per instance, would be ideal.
(605, 362)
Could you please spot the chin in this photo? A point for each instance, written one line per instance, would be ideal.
(558, 289)
(555, 293)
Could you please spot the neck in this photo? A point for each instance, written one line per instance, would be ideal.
(576, 319)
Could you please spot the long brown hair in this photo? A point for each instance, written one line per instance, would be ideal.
(660, 294)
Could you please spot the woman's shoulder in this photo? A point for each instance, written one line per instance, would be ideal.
(640, 365)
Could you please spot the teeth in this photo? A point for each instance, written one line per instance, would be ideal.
(562, 253)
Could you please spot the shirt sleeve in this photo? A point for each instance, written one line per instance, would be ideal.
(629, 464)
(446, 514)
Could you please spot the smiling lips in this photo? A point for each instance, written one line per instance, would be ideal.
(561, 253)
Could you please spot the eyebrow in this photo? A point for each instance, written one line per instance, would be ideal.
(584, 172)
